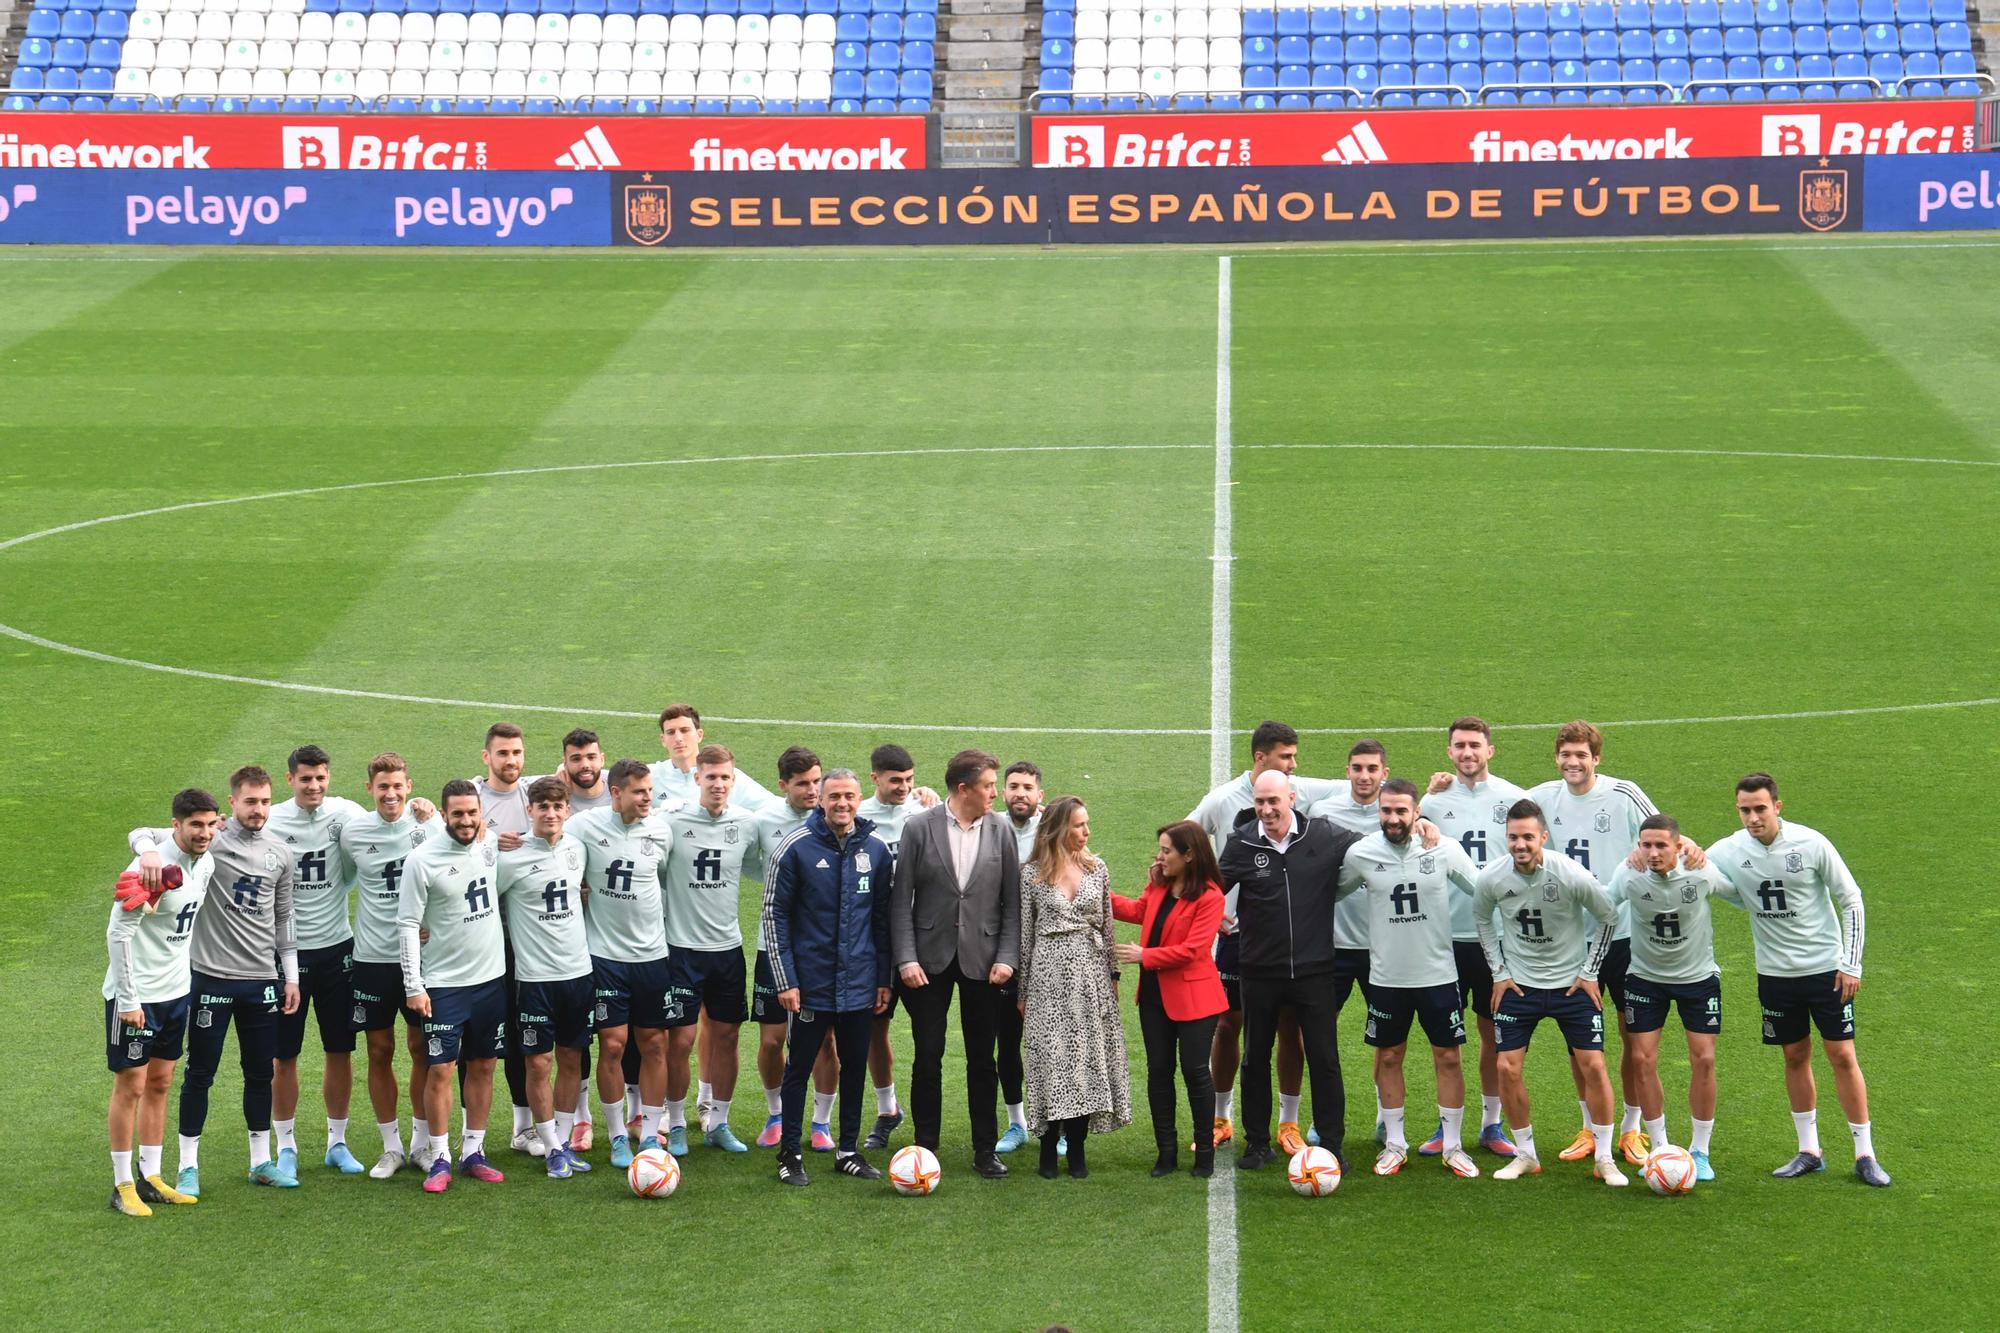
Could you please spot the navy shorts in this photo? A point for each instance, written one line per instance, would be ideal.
(1475, 978)
(1229, 963)
(1390, 1009)
(161, 1038)
(326, 986)
(548, 1014)
(1611, 977)
(377, 989)
(1582, 1022)
(466, 1023)
(764, 992)
(630, 993)
(1788, 1002)
(706, 979)
(1350, 969)
(1647, 1002)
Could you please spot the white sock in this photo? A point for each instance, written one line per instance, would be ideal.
(1634, 1117)
(1583, 1109)
(545, 1130)
(260, 1147)
(718, 1113)
(149, 1159)
(822, 1108)
(704, 1092)
(1453, 1130)
(1604, 1143)
(1864, 1139)
(523, 1119)
(287, 1132)
(472, 1141)
(631, 1108)
(649, 1121)
(565, 1126)
(1017, 1114)
(121, 1167)
(614, 1116)
(774, 1101)
(1392, 1121)
(1288, 1107)
(885, 1104)
(583, 1107)
(1656, 1130)
(392, 1135)
(1489, 1111)
(336, 1131)
(1524, 1143)
(1381, 1111)
(464, 1122)
(1807, 1124)
(1224, 1102)
(676, 1114)
(1698, 1141)
(420, 1136)
(190, 1151)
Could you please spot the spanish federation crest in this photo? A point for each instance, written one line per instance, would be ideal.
(1689, 893)
(729, 834)
(529, 1037)
(203, 1018)
(134, 1049)
(1551, 894)
(1795, 863)
(1426, 864)
(863, 863)
(486, 853)
(1499, 812)
(1823, 199)
(360, 1014)
(649, 846)
(1603, 821)
(270, 861)
(435, 1046)
(648, 213)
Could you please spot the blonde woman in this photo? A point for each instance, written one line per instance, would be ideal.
(1072, 1038)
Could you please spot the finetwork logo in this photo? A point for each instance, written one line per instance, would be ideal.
(593, 152)
(1357, 145)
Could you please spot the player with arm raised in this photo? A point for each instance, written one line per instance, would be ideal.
(449, 937)
(1273, 746)
(703, 893)
(892, 774)
(541, 895)
(582, 772)
(1559, 925)
(146, 992)
(1470, 805)
(374, 847)
(1407, 891)
(1594, 821)
(798, 783)
(625, 859)
(1807, 923)
(1673, 964)
(244, 955)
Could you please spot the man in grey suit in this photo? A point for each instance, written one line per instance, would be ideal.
(955, 921)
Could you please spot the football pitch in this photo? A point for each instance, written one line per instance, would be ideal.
(1732, 501)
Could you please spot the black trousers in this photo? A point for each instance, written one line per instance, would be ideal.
(1168, 1042)
(1312, 998)
(1010, 1042)
(218, 1003)
(852, 1031)
(929, 1007)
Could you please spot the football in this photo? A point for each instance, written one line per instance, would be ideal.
(1314, 1172)
(1669, 1170)
(654, 1174)
(914, 1170)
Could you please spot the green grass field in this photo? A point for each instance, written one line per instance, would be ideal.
(1731, 500)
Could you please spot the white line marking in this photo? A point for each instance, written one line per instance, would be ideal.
(1222, 1261)
(1221, 566)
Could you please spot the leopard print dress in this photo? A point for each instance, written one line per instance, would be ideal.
(1072, 1035)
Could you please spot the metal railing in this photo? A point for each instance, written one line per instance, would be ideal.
(1547, 86)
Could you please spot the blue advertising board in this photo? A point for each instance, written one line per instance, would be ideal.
(1933, 192)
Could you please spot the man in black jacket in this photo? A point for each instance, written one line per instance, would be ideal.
(1286, 868)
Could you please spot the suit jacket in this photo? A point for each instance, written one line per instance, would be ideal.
(1182, 962)
(933, 917)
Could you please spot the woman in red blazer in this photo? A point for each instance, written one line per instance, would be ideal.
(1180, 992)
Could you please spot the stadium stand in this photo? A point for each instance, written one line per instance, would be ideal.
(1117, 55)
(597, 56)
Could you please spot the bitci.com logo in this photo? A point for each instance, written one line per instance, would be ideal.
(1076, 146)
(319, 148)
(1812, 134)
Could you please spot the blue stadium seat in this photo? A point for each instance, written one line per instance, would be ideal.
(1294, 21)
(1918, 37)
(1428, 47)
(850, 56)
(115, 25)
(1739, 41)
(1363, 79)
(1055, 55)
(1397, 47)
(1809, 41)
(1294, 50)
(1360, 19)
(1602, 72)
(1291, 77)
(881, 83)
(44, 24)
(1398, 76)
(847, 85)
(1496, 17)
(1259, 51)
(1708, 13)
(1056, 81)
(1739, 13)
(1844, 40)
(1636, 71)
(1497, 46)
(28, 79)
(1674, 72)
(1259, 23)
(1329, 76)
(1819, 67)
(1745, 67)
(918, 55)
(923, 28)
(1427, 18)
(1600, 44)
(1669, 14)
(403, 106)
(1880, 37)
(1565, 17)
(1843, 11)
(1393, 19)
(1566, 45)
(915, 83)
(1537, 71)
(1464, 74)
(90, 102)
(1954, 37)
(1461, 16)
(1056, 24)
(1780, 67)
(1886, 66)
(1599, 14)
(1533, 46)
(1634, 16)
(1327, 51)
(1878, 11)
(889, 28)
(61, 79)
(1808, 14)
(1361, 47)
(851, 28)
(1850, 65)
(77, 23)
(1462, 46)
(1748, 92)
(1774, 14)
(104, 53)
(1635, 45)
(1774, 41)
(1326, 21)
(1533, 16)
(1260, 78)
(1708, 69)
(70, 51)
(100, 80)
(1570, 73)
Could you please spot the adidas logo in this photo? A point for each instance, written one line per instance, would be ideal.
(1357, 145)
(822, 865)
(1748, 866)
(593, 152)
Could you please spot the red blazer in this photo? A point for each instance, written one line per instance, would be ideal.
(1184, 961)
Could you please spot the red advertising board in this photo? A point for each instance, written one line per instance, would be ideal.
(1379, 136)
(463, 143)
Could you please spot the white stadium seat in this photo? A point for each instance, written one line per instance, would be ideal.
(718, 55)
(819, 28)
(649, 57)
(1157, 23)
(1191, 79)
(212, 27)
(645, 83)
(199, 83)
(576, 85)
(137, 53)
(510, 83)
(677, 83)
(302, 83)
(240, 55)
(614, 55)
(552, 28)
(385, 27)
(1190, 51)
(1224, 23)
(205, 54)
(1225, 51)
(371, 85)
(246, 28)
(337, 83)
(587, 28)
(782, 56)
(133, 82)
(545, 55)
(1090, 54)
(1124, 24)
(1122, 81)
(150, 26)
(747, 83)
(580, 56)
(1090, 82)
(816, 56)
(484, 28)
(475, 83)
(267, 83)
(411, 55)
(815, 86)
(172, 54)
(612, 83)
(781, 86)
(749, 56)
(620, 28)
(350, 27)
(544, 83)
(711, 83)
(1157, 82)
(518, 28)
(282, 27)
(718, 28)
(513, 56)
(1157, 51)
(687, 28)
(1092, 27)
(315, 27)
(378, 55)
(179, 27)
(684, 55)
(423, 28)
(1191, 23)
(305, 55)
(166, 83)
(441, 83)
(1122, 51)
(402, 82)
(654, 28)
(343, 54)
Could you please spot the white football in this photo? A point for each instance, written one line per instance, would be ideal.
(914, 1170)
(1669, 1170)
(1314, 1172)
(654, 1174)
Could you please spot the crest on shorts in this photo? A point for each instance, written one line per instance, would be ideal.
(530, 1037)
(1690, 892)
(1770, 1029)
(1261, 860)
(435, 1046)
(1823, 199)
(729, 834)
(603, 1011)
(1426, 864)
(863, 863)
(270, 860)
(1795, 862)
(134, 1049)
(203, 1018)
(360, 1014)
(805, 1015)
(1603, 821)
